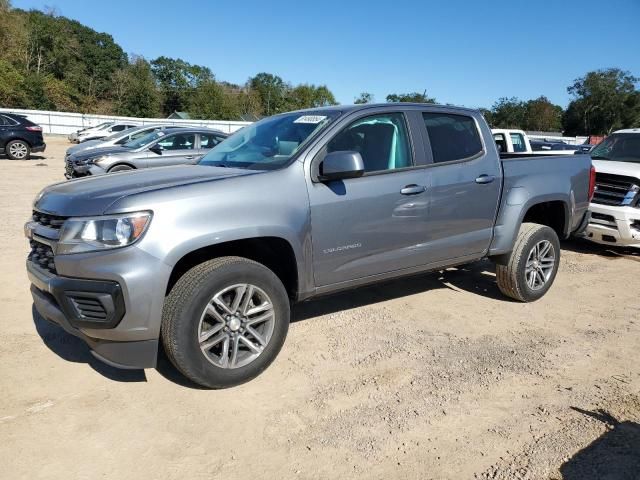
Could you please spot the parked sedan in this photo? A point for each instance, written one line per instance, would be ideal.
(19, 137)
(73, 137)
(117, 139)
(172, 146)
(105, 132)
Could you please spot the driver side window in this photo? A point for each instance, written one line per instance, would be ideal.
(382, 141)
(179, 141)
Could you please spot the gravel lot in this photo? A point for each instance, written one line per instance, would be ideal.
(435, 376)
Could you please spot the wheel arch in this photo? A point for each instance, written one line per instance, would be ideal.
(121, 164)
(554, 211)
(275, 253)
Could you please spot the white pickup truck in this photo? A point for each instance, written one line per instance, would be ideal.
(615, 208)
(515, 143)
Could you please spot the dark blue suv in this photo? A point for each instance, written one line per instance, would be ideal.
(19, 137)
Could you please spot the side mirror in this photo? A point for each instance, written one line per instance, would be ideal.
(341, 165)
(157, 149)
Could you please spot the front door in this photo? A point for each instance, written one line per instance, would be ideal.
(177, 148)
(375, 223)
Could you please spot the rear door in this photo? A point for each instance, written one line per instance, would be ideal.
(177, 149)
(465, 184)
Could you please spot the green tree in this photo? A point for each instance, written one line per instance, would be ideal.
(508, 113)
(603, 101)
(309, 96)
(178, 80)
(12, 92)
(414, 97)
(272, 91)
(363, 98)
(543, 116)
(139, 98)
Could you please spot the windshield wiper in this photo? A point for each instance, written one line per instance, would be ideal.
(598, 157)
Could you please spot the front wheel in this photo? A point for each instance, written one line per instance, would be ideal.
(225, 321)
(120, 168)
(18, 150)
(530, 269)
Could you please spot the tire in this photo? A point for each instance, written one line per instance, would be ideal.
(188, 320)
(120, 168)
(527, 274)
(18, 150)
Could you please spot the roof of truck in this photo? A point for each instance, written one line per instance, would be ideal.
(351, 108)
(628, 130)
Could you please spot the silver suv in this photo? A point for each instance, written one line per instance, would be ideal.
(171, 146)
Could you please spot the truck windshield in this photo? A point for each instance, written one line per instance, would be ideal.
(619, 147)
(269, 143)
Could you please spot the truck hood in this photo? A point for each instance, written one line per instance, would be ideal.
(98, 152)
(627, 169)
(93, 195)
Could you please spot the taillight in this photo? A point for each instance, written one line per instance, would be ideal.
(592, 182)
(34, 129)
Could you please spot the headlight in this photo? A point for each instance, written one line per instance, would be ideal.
(102, 233)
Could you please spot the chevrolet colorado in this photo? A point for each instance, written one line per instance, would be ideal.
(206, 259)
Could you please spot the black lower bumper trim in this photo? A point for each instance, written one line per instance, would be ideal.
(84, 303)
(129, 355)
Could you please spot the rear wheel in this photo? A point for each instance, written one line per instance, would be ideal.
(530, 269)
(225, 321)
(18, 150)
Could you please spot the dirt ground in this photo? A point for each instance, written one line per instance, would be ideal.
(435, 376)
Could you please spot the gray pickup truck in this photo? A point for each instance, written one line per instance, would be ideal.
(206, 259)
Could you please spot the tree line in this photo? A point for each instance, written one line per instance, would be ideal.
(50, 62)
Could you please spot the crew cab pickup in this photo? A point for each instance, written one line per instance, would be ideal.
(615, 209)
(516, 144)
(206, 259)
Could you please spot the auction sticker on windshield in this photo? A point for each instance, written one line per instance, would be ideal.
(310, 119)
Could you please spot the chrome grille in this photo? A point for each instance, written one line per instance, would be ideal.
(616, 190)
(42, 256)
(68, 167)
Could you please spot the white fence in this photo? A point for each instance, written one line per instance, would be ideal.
(64, 123)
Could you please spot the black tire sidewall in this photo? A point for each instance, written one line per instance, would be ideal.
(7, 150)
(186, 329)
(543, 233)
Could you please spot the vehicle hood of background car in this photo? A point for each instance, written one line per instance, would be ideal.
(628, 169)
(93, 195)
(83, 146)
(98, 152)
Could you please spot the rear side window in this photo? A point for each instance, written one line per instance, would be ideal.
(453, 137)
(518, 142)
(8, 121)
(208, 140)
(118, 128)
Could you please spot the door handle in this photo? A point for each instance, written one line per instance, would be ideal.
(412, 189)
(484, 179)
(189, 157)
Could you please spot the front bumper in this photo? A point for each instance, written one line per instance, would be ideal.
(53, 298)
(614, 225)
(128, 296)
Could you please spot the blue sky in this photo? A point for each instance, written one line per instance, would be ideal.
(462, 52)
